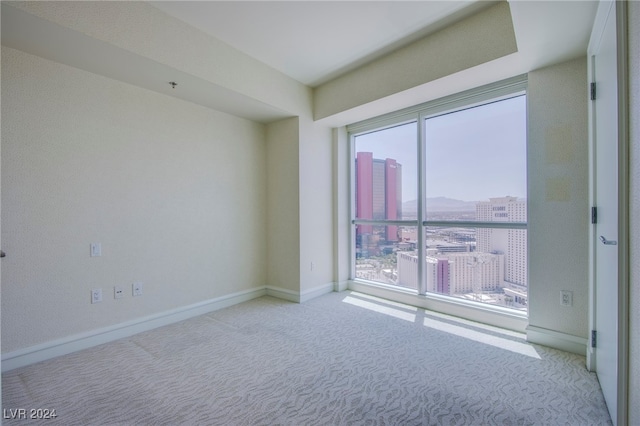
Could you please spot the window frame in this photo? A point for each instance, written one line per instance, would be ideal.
(418, 114)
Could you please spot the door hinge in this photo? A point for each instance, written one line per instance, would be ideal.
(592, 91)
(594, 215)
(594, 338)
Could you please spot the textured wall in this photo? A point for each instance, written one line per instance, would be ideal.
(175, 193)
(558, 175)
(634, 162)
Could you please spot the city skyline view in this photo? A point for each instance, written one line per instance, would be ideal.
(485, 265)
(474, 171)
(494, 133)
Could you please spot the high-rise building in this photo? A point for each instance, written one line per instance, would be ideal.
(453, 273)
(364, 190)
(442, 277)
(378, 192)
(467, 272)
(511, 242)
(407, 265)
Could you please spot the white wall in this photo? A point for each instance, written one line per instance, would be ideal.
(558, 197)
(176, 194)
(283, 220)
(300, 207)
(341, 207)
(634, 191)
(316, 206)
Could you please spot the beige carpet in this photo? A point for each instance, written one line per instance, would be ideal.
(340, 359)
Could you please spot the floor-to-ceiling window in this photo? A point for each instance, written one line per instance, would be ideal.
(385, 194)
(439, 198)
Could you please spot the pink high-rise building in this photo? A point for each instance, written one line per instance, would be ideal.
(442, 273)
(378, 192)
(364, 190)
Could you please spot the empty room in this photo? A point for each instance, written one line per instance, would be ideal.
(320, 212)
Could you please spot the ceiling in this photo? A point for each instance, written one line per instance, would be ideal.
(312, 42)
(315, 41)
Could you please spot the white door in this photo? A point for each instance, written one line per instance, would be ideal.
(605, 128)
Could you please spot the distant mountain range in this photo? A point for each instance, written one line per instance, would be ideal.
(440, 204)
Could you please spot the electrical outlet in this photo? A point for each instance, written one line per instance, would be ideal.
(96, 295)
(137, 288)
(566, 298)
(118, 292)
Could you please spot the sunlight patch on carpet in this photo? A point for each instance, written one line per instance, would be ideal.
(382, 309)
(488, 339)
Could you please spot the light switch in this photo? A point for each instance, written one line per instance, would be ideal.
(96, 250)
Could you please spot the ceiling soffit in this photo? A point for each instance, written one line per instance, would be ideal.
(478, 39)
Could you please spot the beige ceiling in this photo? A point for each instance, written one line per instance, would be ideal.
(315, 41)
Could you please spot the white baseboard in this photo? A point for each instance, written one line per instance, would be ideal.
(67, 345)
(312, 293)
(283, 293)
(300, 297)
(341, 286)
(557, 340)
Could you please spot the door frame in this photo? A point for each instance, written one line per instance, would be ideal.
(623, 200)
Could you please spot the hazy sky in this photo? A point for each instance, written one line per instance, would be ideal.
(471, 155)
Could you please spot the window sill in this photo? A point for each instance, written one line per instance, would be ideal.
(486, 314)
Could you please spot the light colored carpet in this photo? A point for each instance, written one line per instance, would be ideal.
(340, 359)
